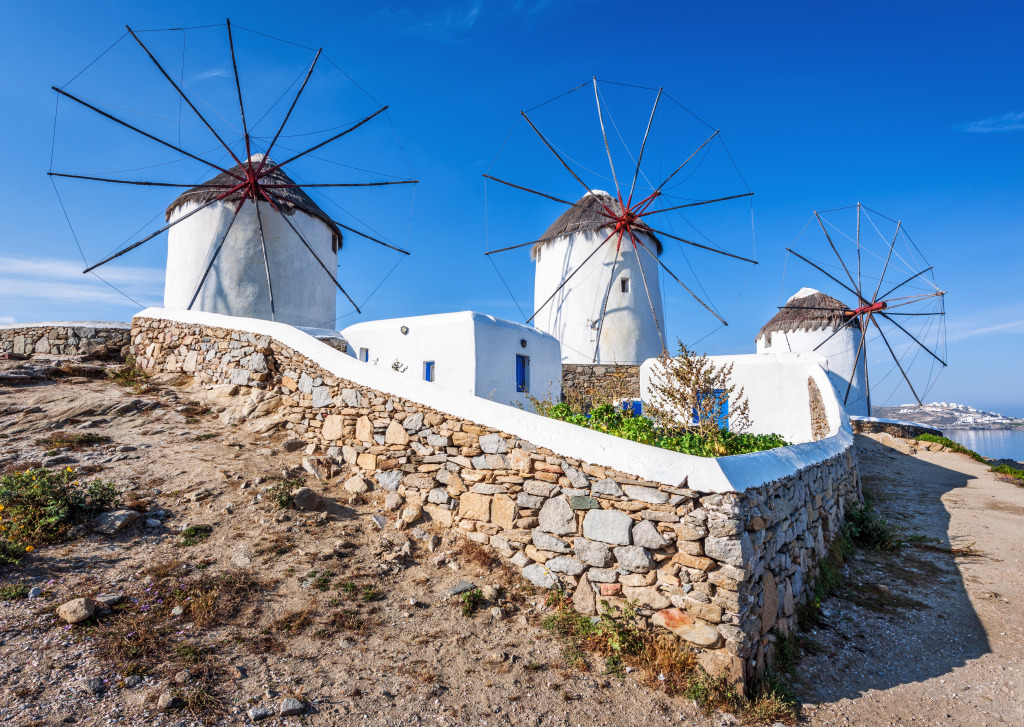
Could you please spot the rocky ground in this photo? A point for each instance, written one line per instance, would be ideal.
(338, 616)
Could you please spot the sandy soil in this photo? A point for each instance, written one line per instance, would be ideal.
(940, 646)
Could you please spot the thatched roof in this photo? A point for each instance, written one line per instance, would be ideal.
(587, 214)
(808, 310)
(293, 198)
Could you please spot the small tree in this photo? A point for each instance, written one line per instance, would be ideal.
(691, 391)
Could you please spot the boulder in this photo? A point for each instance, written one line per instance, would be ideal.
(557, 517)
(634, 558)
(111, 523)
(645, 534)
(305, 499)
(76, 610)
(607, 526)
(598, 555)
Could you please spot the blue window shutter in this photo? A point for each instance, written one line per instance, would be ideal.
(520, 373)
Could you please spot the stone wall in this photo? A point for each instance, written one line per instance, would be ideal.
(71, 338)
(904, 430)
(819, 418)
(719, 570)
(602, 381)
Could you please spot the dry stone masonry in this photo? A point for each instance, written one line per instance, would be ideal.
(603, 381)
(719, 570)
(103, 340)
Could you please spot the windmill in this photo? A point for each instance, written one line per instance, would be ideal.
(252, 210)
(891, 297)
(597, 281)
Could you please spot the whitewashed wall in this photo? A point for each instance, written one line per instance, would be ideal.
(776, 388)
(472, 352)
(629, 335)
(237, 285)
(839, 355)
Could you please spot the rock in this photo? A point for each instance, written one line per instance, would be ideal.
(438, 496)
(413, 423)
(412, 513)
(379, 521)
(531, 502)
(364, 429)
(584, 502)
(645, 494)
(565, 564)
(496, 613)
(557, 517)
(682, 625)
(493, 444)
(504, 512)
(646, 534)
(393, 501)
(305, 499)
(94, 685)
(183, 677)
(602, 575)
(167, 701)
(770, 608)
(731, 550)
(607, 488)
(177, 611)
(35, 592)
(608, 526)
(460, 587)
(242, 558)
(294, 445)
(576, 478)
(77, 610)
(108, 600)
(583, 599)
(319, 467)
(475, 507)
(258, 713)
(356, 485)
(543, 541)
(111, 523)
(539, 576)
(495, 657)
(591, 553)
(290, 707)
(634, 558)
(648, 596)
(396, 434)
(332, 430)
(153, 523)
(390, 479)
(520, 559)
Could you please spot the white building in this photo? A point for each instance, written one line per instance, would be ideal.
(809, 323)
(613, 281)
(237, 284)
(466, 351)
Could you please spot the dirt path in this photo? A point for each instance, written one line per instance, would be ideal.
(923, 637)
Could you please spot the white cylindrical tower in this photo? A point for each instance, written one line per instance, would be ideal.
(237, 283)
(806, 324)
(613, 281)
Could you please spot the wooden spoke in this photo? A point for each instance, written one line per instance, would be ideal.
(695, 296)
(896, 359)
(570, 276)
(888, 257)
(513, 247)
(324, 143)
(706, 141)
(860, 298)
(145, 134)
(600, 117)
(184, 97)
(141, 184)
(531, 191)
(607, 294)
(836, 332)
(266, 261)
(372, 239)
(266, 194)
(216, 252)
(643, 277)
(912, 277)
(168, 226)
(697, 204)
(341, 184)
(238, 85)
(291, 108)
(640, 157)
(912, 337)
(853, 374)
(820, 269)
(704, 247)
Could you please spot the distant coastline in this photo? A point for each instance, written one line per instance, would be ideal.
(949, 415)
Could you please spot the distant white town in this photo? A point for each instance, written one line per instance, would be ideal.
(950, 415)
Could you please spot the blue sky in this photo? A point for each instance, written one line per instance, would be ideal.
(914, 109)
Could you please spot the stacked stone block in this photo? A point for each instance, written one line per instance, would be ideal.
(64, 340)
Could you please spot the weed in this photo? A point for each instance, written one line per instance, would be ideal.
(165, 568)
(322, 580)
(471, 601)
(189, 653)
(1011, 473)
(72, 440)
(195, 533)
(13, 592)
(950, 444)
(281, 494)
(865, 528)
(205, 436)
(41, 505)
(130, 374)
(349, 588)
(291, 624)
(370, 594)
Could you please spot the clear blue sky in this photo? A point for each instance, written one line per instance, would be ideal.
(915, 109)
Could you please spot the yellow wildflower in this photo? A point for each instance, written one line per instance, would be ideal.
(29, 548)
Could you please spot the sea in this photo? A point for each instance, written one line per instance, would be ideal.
(994, 443)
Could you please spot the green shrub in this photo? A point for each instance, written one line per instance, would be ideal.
(950, 444)
(471, 601)
(41, 506)
(195, 533)
(619, 423)
(1009, 471)
(13, 592)
(865, 528)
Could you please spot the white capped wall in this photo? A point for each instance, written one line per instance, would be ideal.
(775, 385)
(472, 353)
(839, 355)
(304, 295)
(630, 334)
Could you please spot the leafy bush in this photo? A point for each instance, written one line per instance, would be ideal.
(1008, 471)
(865, 528)
(620, 423)
(950, 444)
(195, 533)
(471, 601)
(41, 505)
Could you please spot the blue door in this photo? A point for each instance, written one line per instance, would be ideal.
(522, 373)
